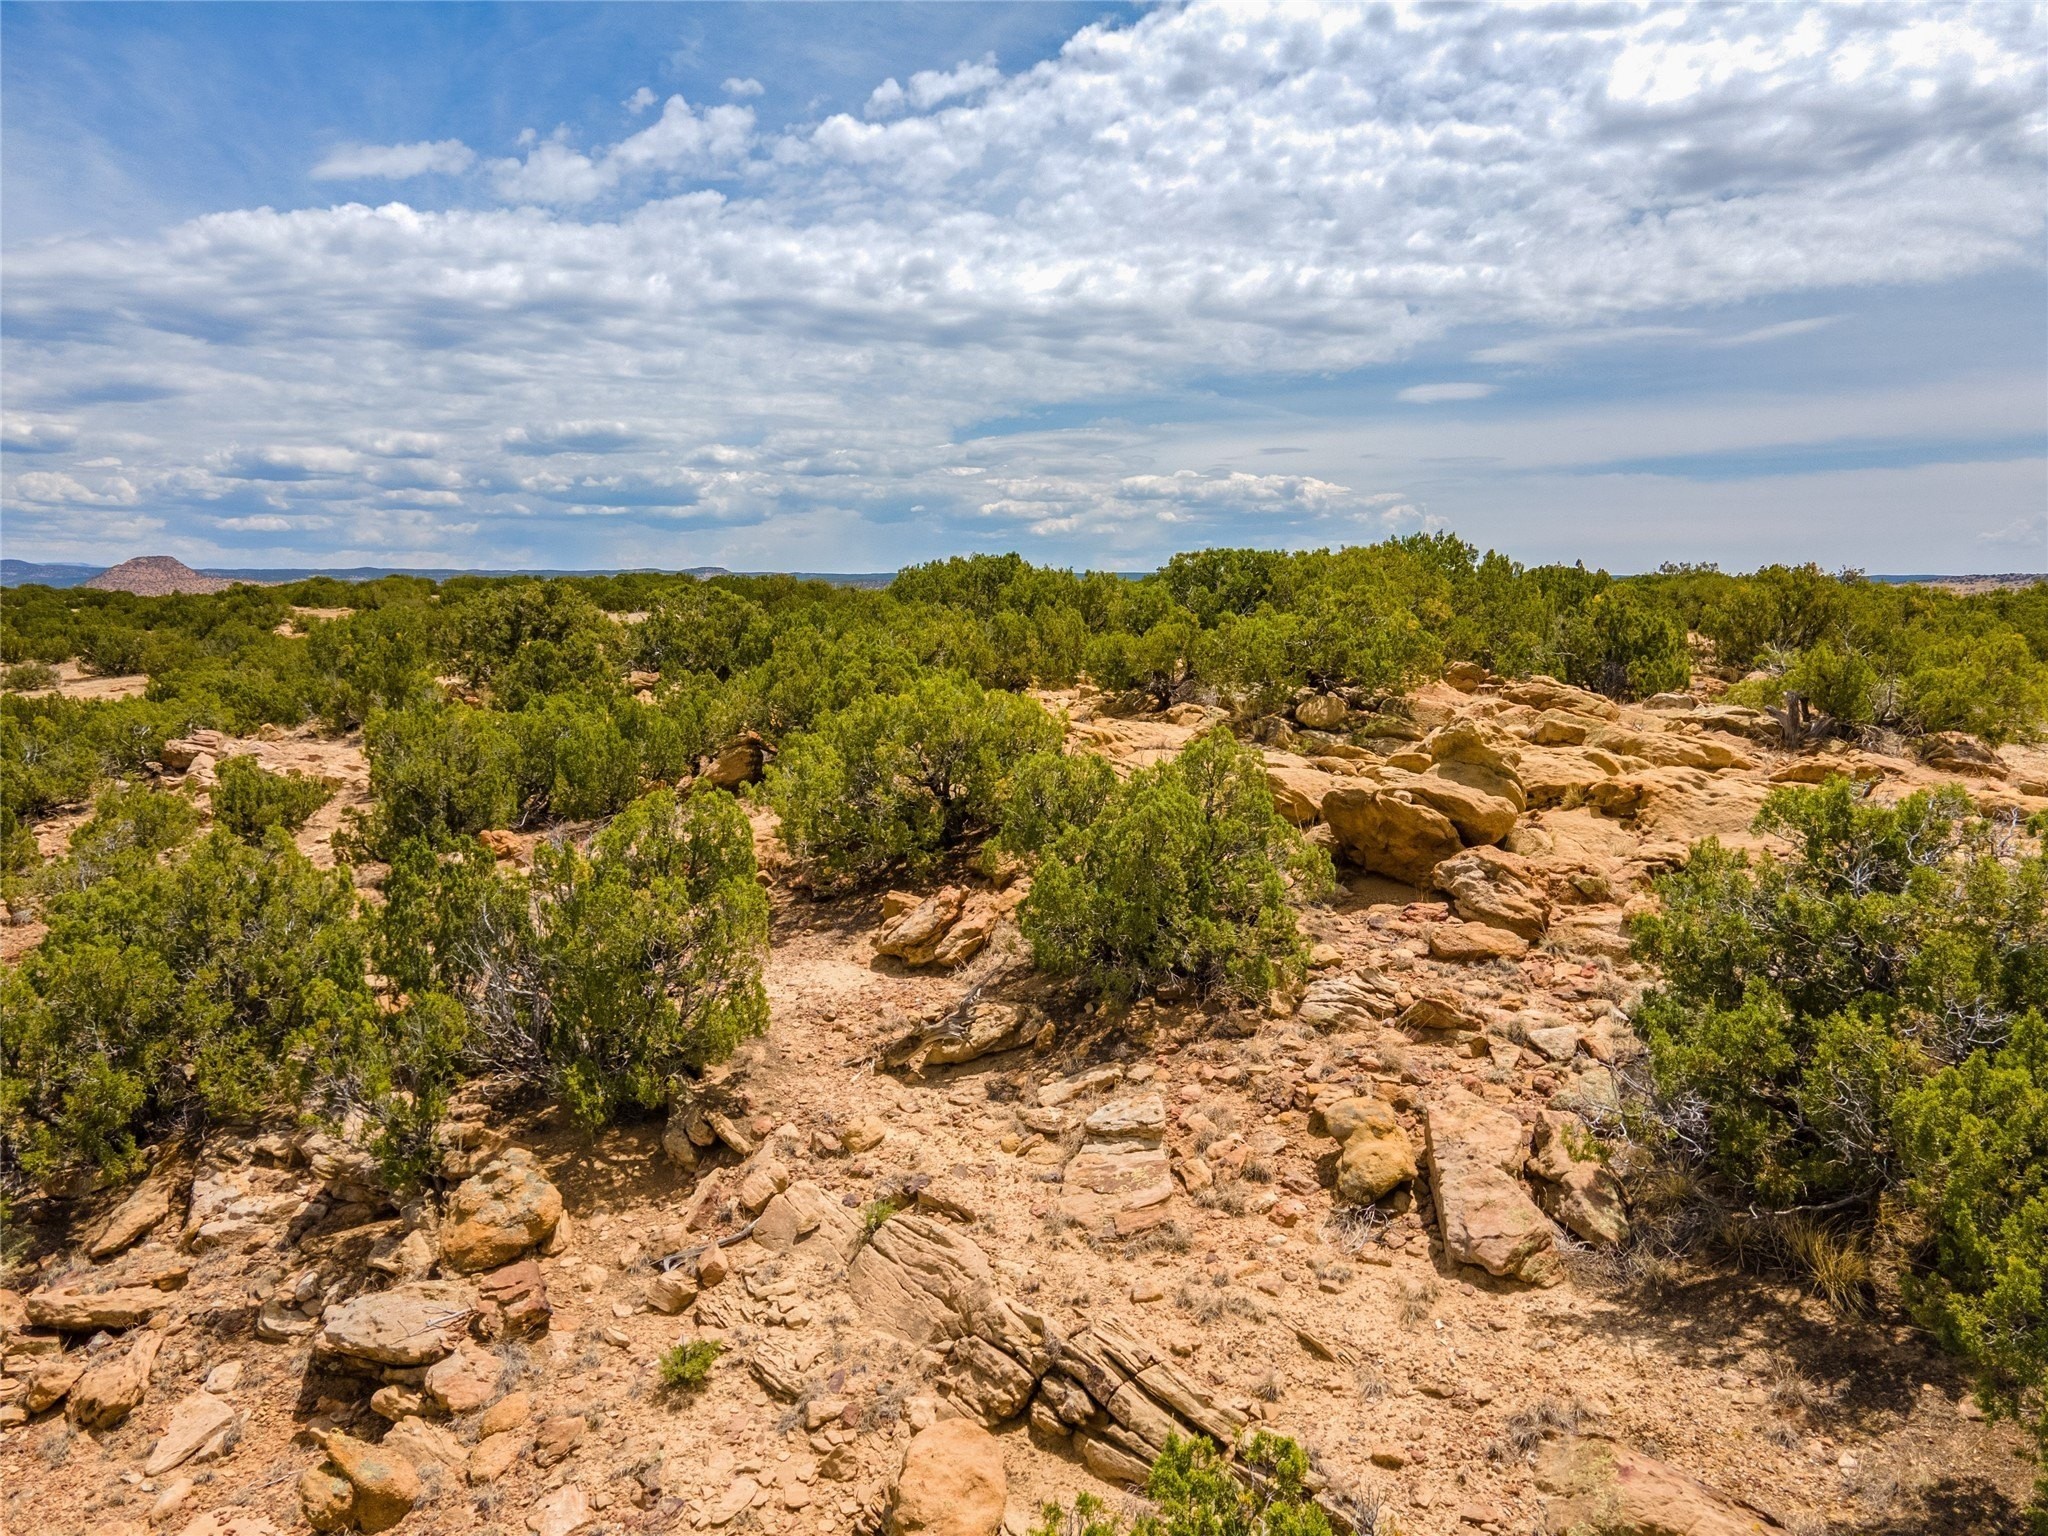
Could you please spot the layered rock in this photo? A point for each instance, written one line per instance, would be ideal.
(1476, 1153)
(1599, 1485)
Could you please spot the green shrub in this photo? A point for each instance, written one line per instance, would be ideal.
(28, 676)
(381, 658)
(179, 992)
(1046, 794)
(605, 976)
(686, 1367)
(890, 782)
(1183, 875)
(526, 640)
(1197, 1494)
(1626, 645)
(574, 760)
(1855, 1030)
(249, 802)
(439, 772)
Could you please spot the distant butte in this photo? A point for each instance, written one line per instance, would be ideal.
(155, 576)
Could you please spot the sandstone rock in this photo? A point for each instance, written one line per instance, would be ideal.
(1346, 1002)
(508, 1412)
(506, 1209)
(1131, 1178)
(514, 1300)
(804, 1211)
(969, 934)
(1476, 1153)
(386, 1484)
(557, 1437)
(564, 1511)
(1597, 1484)
(915, 1277)
(1578, 1188)
(1480, 801)
(1487, 885)
(1553, 1042)
(326, 1499)
(983, 1029)
(464, 1381)
(1466, 676)
(1298, 792)
(1390, 832)
(111, 1389)
(1560, 728)
(1540, 692)
(1960, 752)
(1463, 942)
(196, 1422)
(734, 1502)
(52, 1381)
(413, 1324)
(951, 1483)
(762, 1182)
(738, 762)
(1142, 1118)
(1322, 712)
(493, 1456)
(89, 1311)
(1377, 1156)
(1437, 1011)
(147, 1205)
(914, 937)
(672, 1292)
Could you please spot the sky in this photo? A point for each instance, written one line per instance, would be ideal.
(845, 287)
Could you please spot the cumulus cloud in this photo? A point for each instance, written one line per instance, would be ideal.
(1213, 190)
(683, 141)
(640, 100)
(742, 86)
(395, 162)
(24, 434)
(929, 88)
(64, 490)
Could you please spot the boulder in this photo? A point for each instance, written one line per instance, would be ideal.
(1489, 885)
(1541, 692)
(1390, 832)
(386, 1484)
(1377, 1157)
(197, 1422)
(916, 1277)
(414, 1324)
(951, 1483)
(1466, 676)
(982, 1030)
(53, 1381)
(111, 1389)
(505, 1209)
(493, 1456)
(1298, 792)
(1142, 1118)
(1960, 752)
(464, 1381)
(915, 937)
(326, 1499)
(1480, 801)
(801, 1212)
(1577, 1187)
(1462, 942)
(1322, 712)
(90, 1311)
(1344, 1002)
(1599, 1485)
(1437, 1011)
(738, 762)
(763, 1180)
(970, 932)
(1476, 1152)
(148, 1204)
(1561, 728)
(513, 1300)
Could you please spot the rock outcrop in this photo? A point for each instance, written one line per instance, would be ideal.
(1598, 1485)
(1476, 1154)
(951, 1483)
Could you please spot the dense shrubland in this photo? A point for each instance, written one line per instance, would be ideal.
(1852, 1042)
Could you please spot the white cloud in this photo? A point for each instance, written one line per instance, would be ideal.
(929, 88)
(23, 434)
(640, 100)
(62, 489)
(682, 141)
(742, 87)
(395, 162)
(1214, 190)
(1432, 394)
(1784, 330)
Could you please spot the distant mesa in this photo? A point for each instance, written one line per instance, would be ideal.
(155, 576)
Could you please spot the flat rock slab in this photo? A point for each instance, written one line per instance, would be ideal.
(1131, 1178)
(414, 1324)
(1476, 1153)
(195, 1421)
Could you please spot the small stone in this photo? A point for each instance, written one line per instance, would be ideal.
(1147, 1289)
(671, 1293)
(464, 1381)
(508, 1412)
(557, 1437)
(194, 1422)
(561, 1512)
(492, 1457)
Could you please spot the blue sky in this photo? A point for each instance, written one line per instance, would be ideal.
(845, 286)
